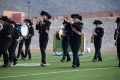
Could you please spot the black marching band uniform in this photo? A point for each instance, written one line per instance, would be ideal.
(20, 51)
(65, 41)
(5, 39)
(98, 41)
(75, 39)
(116, 35)
(118, 39)
(28, 40)
(13, 46)
(43, 29)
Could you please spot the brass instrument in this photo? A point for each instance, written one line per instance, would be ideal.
(92, 37)
(1, 26)
(67, 19)
(36, 19)
(59, 34)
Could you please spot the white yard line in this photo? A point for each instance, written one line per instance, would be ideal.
(56, 72)
(30, 64)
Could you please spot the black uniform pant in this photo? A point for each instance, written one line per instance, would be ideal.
(75, 43)
(20, 51)
(3, 50)
(27, 47)
(65, 44)
(43, 41)
(12, 50)
(97, 45)
(118, 50)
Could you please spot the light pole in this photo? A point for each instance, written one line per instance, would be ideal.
(28, 9)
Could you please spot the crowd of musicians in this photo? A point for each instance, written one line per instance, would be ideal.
(11, 38)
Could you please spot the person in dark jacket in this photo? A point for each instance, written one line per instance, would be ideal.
(29, 38)
(98, 34)
(5, 39)
(75, 38)
(27, 41)
(65, 41)
(20, 49)
(116, 35)
(43, 26)
(13, 46)
(118, 40)
(20, 43)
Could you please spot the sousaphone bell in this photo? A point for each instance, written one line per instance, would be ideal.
(59, 34)
(1, 26)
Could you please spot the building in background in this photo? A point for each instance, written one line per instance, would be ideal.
(18, 17)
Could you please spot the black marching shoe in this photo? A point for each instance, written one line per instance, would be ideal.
(78, 65)
(74, 66)
(68, 60)
(62, 60)
(23, 58)
(14, 63)
(43, 65)
(9, 63)
(4, 66)
(94, 60)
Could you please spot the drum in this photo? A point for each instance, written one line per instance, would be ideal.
(24, 31)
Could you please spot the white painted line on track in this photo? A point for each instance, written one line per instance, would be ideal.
(56, 72)
(29, 64)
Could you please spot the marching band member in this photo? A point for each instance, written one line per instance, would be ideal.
(5, 39)
(98, 34)
(116, 36)
(65, 41)
(13, 46)
(28, 40)
(20, 47)
(20, 51)
(118, 39)
(75, 38)
(43, 26)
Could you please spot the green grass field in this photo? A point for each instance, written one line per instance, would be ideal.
(56, 70)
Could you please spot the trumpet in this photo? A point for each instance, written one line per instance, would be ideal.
(66, 19)
(36, 19)
(1, 26)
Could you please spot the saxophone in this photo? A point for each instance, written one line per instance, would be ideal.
(92, 37)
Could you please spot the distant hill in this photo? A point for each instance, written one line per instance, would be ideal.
(59, 6)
